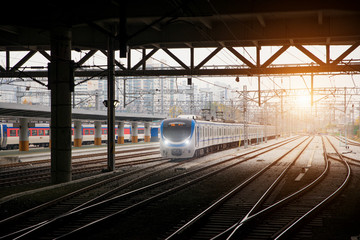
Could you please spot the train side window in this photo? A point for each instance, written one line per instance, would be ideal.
(47, 132)
(91, 131)
(34, 132)
(41, 132)
(87, 132)
(12, 133)
(141, 131)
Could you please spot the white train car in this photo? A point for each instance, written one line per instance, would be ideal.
(186, 137)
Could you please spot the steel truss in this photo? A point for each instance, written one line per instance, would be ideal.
(248, 68)
(267, 95)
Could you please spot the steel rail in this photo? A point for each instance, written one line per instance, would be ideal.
(218, 203)
(267, 193)
(80, 156)
(146, 201)
(286, 231)
(32, 173)
(81, 191)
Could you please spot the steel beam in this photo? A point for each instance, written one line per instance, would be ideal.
(274, 70)
(117, 63)
(212, 54)
(347, 52)
(175, 58)
(86, 57)
(309, 54)
(241, 57)
(23, 60)
(275, 56)
(45, 54)
(142, 61)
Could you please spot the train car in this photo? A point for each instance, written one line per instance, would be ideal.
(187, 137)
(39, 136)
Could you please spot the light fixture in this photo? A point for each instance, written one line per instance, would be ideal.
(116, 103)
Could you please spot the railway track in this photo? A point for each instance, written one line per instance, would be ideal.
(93, 213)
(262, 217)
(80, 168)
(76, 158)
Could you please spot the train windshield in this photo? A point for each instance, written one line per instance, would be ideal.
(177, 130)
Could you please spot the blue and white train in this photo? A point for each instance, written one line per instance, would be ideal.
(185, 137)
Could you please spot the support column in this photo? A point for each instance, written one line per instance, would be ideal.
(24, 135)
(134, 132)
(111, 108)
(77, 134)
(98, 132)
(121, 135)
(61, 83)
(147, 132)
(258, 64)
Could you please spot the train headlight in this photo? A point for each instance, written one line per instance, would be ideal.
(187, 142)
(166, 142)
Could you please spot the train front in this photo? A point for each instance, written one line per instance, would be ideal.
(177, 138)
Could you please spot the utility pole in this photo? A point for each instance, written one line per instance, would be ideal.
(265, 122)
(359, 121)
(276, 122)
(246, 136)
(282, 115)
(345, 125)
(162, 95)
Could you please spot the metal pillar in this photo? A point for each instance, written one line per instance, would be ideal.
(276, 122)
(24, 135)
(258, 64)
(77, 134)
(110, 107)
(265, 123)
(61, 83)
(121, 138)
(282, 125)
(246, 135)
(345, 119)
(98, 132)
(147, 132)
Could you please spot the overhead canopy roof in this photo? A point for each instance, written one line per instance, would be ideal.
(40, 112)
(180, 23)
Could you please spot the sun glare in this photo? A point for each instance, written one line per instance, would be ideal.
(303, 101)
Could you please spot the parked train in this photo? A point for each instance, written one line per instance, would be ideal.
(39, 135)
(186, 137)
